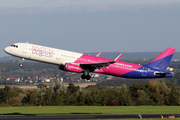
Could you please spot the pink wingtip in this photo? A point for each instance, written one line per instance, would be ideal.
(98, 54)
(117, 59)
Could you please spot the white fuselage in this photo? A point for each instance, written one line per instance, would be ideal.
(42, 53)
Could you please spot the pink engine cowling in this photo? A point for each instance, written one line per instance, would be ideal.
(71, 67)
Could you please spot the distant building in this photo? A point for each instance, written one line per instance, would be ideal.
(15, 79)
(175, 60)
(109, 77)
(47, 80)
(94, 77)
(30, 81)
(169, 69)
(61, 79)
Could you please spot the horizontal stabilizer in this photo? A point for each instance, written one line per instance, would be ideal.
(168, 74)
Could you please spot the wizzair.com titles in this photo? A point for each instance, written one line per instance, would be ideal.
(42, 51)
(122, 64)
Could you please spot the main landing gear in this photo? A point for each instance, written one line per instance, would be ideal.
(21, 64)
(86, 76)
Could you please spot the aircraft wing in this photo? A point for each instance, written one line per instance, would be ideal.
(93, 66)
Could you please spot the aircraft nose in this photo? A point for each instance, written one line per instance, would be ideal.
(7, 50)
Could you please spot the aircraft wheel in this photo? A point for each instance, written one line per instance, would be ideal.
(88, 77)
(83, 76)
(20, 65)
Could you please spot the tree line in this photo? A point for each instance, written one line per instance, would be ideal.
(151, 93)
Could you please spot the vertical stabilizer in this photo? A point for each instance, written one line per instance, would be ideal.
(162, 61)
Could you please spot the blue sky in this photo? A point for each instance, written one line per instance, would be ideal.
(92, 25)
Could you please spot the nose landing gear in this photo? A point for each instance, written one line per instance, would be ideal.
(21, 64)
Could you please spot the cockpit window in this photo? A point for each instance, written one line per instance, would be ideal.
(16, 46)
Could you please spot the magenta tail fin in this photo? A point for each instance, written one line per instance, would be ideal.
(162, 61)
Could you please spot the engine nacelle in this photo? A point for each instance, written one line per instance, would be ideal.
(71, 67)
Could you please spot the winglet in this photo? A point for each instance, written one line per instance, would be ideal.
(98, 54)
(117, 59)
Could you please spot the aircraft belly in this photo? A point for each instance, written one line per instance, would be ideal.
(138, 74)
(134, 74)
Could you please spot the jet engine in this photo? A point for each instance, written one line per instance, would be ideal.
(71, 67)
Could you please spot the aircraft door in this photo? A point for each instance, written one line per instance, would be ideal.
(58, 57)
(144, 72)
(25, 47)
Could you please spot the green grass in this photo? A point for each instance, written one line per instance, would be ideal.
(55, 110)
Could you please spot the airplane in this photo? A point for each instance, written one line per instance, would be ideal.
(83, 63)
